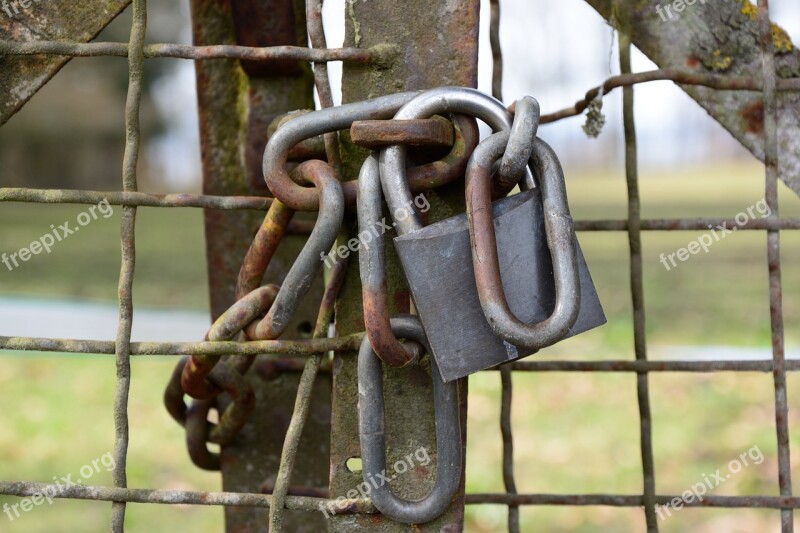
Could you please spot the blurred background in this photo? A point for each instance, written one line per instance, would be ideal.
(575, 433)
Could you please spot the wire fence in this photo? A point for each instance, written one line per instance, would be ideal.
(123, 349)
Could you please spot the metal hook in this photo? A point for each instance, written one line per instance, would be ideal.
(373, 439)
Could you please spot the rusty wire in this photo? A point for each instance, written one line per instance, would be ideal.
(508, 445)
(311, 504)
(316, 36)
(774, 260)
(303, 400)
(122, 347)
(179, 497)
(628, 79)
(637, 290)
(497, 50)
(353, 341)
(250, 348)
(260, 203)
(198, 53)
(506, 389)
(622, 500)
(133, 199)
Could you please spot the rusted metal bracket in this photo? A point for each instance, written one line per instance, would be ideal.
(436, 131)
(237, 102)
(440, 48)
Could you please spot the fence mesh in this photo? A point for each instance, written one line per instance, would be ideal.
(123, 349)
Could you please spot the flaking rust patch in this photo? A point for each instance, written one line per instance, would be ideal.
(753, 116)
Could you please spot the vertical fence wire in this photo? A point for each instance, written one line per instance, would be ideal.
(508, 446)
(497, 51)
(128, 258)
(316, 37)
(303, 400)
(506, 395)
(774, 260)
(637, 287)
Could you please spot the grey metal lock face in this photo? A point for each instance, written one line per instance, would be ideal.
(437, 261)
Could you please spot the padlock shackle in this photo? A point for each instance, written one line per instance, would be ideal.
(372, 267)
(560, 241)
(437, 101)
(372, 433)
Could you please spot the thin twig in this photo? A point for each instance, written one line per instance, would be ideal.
(712, 81)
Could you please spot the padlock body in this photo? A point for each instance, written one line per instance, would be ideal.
(437, 261)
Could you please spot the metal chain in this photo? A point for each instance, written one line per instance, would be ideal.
(263, 312)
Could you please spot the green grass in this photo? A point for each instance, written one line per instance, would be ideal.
(170, 256)
(575, 433)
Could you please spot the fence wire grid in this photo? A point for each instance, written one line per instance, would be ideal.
(130, 198)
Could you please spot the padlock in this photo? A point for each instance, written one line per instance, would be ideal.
(437, 259)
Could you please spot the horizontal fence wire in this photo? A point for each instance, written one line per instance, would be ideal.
(197, 53)
(122, 348)
(352, 342)
(364, 506)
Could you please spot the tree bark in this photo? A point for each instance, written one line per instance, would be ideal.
(719, 36)
(57, 20)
